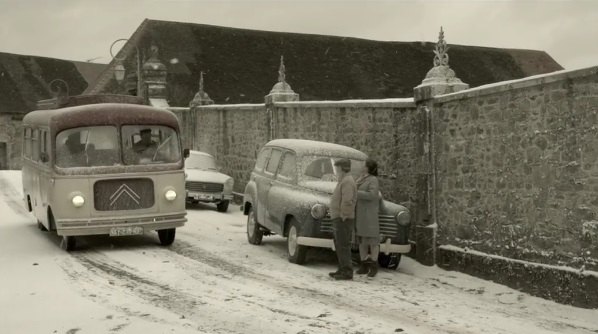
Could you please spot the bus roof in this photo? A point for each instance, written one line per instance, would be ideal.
(101, 114)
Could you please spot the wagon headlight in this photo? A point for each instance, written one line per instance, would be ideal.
(403, 218)
(229, 184)
(318, 211)
(78, 201)
(170, 195)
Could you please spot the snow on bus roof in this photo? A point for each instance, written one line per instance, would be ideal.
(305, 147)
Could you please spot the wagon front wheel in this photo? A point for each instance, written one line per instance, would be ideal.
(297, 252)
(390, 261)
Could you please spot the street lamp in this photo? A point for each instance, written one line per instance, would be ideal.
(119, 68)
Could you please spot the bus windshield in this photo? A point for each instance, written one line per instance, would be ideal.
(87, 146)
(150, 144)
(98, 146)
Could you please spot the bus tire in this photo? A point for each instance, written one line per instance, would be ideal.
(68, 243)
(166, 236)
(41, 226)
(222, 206)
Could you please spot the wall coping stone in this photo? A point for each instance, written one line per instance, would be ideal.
(504, 86)
(393, 102)
(233, 106)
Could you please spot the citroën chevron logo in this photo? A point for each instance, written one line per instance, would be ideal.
(124, 189)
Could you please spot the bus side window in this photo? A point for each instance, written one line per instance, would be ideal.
(27, 143)
(43, 146)
(35, 145)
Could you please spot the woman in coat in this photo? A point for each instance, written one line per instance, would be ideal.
(367, 227)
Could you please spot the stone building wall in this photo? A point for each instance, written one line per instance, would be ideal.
(10, 141)
(517, 173)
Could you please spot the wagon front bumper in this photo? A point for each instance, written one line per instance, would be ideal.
(385, 247)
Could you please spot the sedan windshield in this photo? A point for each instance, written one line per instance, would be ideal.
(200, 161)
(321, 168)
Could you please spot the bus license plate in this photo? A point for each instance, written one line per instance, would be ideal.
(127, 230)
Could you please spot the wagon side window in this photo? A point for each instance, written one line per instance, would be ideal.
(262, 159)
(288, 170)
(273, 162)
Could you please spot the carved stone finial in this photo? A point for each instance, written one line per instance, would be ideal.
(281, 70)
(201, 97)
(201, 82)
(441, 57)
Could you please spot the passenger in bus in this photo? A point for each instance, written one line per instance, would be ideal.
(145, 147)
(74, 155)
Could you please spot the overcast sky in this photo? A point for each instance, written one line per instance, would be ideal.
(84, 29)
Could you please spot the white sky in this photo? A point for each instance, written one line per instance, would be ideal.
(84, 29)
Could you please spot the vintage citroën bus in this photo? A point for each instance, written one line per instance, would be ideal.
(91, 167)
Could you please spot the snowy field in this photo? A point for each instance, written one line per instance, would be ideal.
(212, 281)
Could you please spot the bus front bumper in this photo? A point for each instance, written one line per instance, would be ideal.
(118, 226)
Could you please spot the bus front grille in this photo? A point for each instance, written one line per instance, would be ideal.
(123, 194)
(204, 187)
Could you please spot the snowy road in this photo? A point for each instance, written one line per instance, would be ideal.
(212, 281)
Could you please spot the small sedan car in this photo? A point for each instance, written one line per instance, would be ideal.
(204, 183)
(289, 193)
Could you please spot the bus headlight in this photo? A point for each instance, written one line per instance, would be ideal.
(318, 211)
(78, 201)
(170, 195)
(403, 218)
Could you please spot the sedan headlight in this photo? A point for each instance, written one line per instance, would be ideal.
(78, 201)
(170, 195)
(403, 218)
(318, 211)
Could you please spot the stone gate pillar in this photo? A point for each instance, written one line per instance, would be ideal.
(441, 79)
(154, 80)
(281, 92)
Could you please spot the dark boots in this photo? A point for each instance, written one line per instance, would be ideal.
(373, 268)
(369, 267)
(363, 268)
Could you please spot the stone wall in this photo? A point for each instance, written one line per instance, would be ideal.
(383, 129)
(516, 168)
(10, 141)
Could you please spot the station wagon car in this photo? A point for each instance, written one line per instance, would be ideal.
(289, 193)
(204, 183)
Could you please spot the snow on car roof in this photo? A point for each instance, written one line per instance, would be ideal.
(200, 153)
(312, 147)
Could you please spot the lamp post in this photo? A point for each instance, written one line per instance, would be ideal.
(119, 68)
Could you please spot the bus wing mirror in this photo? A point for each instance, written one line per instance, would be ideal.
(186, 153)
(44, 157)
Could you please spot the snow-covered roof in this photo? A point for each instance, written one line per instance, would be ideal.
(312, 147)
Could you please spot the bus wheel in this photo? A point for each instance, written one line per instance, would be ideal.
(166, 236)
(68, 243)
(41, 226)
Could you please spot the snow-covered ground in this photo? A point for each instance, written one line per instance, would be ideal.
(212, 281)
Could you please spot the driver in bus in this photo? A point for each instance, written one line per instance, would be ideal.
(145, 146)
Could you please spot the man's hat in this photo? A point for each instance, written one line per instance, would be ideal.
(346, 163)
(145, 131)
